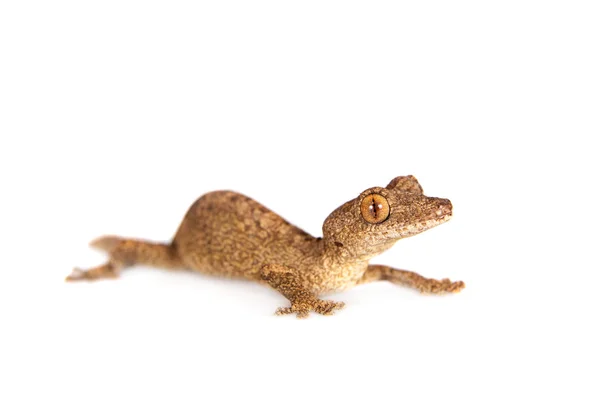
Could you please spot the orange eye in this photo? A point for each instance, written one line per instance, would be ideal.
(375, 208)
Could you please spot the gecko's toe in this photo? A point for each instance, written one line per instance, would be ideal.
(456, 287)
(283, 311)
(323, 307)
(300, 314)
(328, 307)
(76, 275)
(434, 286)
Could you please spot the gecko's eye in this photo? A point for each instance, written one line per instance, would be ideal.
(375, 208)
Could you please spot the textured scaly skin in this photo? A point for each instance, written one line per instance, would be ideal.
(228, 234)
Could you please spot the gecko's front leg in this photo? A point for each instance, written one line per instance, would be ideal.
(410, 279)
(287, 282)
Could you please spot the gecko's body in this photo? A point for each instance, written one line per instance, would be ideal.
(228, 234)
(250, 237)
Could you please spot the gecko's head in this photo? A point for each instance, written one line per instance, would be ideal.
(378, 217)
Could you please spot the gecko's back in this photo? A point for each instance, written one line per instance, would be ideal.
(228, 234)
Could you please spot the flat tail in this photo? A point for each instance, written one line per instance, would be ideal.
(106, 243)
(127, 252)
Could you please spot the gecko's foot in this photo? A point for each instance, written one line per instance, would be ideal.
(441, 286)
(76, 275)
(104, 271)
(303, 309)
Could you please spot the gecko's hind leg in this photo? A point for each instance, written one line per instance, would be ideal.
(410, 279)
(125, 253)
(287, 282)
(108, 270)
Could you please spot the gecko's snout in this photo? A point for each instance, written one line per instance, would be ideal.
(444, 208)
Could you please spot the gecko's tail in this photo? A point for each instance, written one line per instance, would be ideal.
(135, 251)
(126, 253)
(106, 243)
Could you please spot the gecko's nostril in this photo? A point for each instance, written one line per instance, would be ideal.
(444, 209)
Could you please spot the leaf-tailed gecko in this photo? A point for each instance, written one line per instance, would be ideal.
(228, 234)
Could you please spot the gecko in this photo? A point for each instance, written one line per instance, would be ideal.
(227, 234)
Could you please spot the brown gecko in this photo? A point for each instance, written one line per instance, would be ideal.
(228, 234)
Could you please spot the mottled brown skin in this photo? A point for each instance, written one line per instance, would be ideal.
(228, 234)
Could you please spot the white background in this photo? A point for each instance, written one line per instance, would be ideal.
(116, 115)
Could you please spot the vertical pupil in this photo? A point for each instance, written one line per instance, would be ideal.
(373, 207)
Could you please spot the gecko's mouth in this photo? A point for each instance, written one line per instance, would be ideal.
(443, 219)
